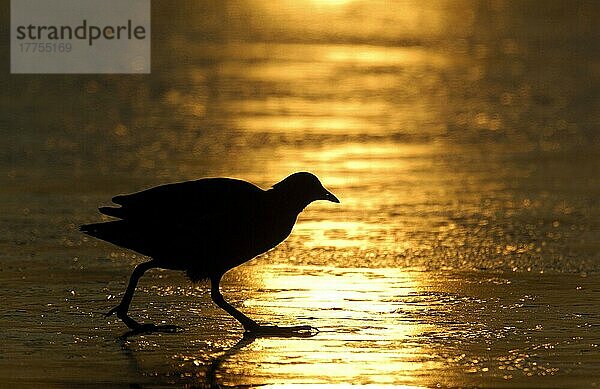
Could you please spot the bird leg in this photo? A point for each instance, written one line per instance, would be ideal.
(250, 325)
(123, 307)
(216, 296)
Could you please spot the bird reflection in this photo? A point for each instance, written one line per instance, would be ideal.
(213, 366)
(205, 228)
(246, 340)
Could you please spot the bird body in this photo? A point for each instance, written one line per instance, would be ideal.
(207, 226)
(203, 227)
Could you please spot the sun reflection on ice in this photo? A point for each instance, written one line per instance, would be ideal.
(366, 331)
(343, 234)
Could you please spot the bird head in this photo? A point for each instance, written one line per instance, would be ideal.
(303, 188)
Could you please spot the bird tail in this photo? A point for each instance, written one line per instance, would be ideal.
(121, 233)
(112, 211)
(113, 231)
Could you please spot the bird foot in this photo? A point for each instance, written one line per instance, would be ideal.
(293, 331)
(141, 328)
(149, 328)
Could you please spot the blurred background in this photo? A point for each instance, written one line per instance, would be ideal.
(460, 136)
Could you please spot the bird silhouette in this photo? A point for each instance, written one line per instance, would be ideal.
(205, 228)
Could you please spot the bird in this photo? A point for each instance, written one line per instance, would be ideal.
(205, 227)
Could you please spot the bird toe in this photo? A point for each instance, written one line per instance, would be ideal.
(294, 331)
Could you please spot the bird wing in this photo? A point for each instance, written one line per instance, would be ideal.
(204, 198)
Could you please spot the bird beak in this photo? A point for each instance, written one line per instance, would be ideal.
(329, 197)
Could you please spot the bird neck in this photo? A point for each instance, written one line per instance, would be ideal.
(287, 201)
